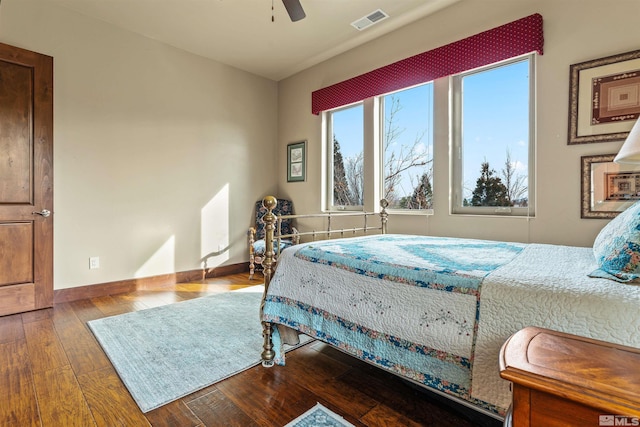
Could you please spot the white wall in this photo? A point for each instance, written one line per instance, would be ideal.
(156, 151)
(574, 31)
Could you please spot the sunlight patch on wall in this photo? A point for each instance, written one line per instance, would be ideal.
(214, 246)
(163, 261)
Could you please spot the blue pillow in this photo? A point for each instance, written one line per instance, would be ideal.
(617, 247)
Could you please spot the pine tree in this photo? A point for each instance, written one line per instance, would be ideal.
(489, 191)
(341, 193)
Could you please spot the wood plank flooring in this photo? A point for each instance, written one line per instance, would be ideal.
(54, 373)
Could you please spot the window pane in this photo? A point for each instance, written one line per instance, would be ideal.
(347, 160)
(495, 136)
(407, 141)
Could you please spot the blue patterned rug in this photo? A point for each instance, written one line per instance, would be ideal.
(319, 416)
(164, 353)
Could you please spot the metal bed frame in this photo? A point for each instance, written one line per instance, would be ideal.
(272, 233)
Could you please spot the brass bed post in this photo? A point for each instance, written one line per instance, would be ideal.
(269, 219)
(384, 215)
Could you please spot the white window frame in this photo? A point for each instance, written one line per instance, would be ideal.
(456, 189)
(381, 149)
(328, 144)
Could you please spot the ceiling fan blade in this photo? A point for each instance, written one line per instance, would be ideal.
(294, 9)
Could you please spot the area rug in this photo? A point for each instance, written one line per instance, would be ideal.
(165, 353)
(319, 416)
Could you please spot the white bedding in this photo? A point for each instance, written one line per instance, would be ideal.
(547, 286)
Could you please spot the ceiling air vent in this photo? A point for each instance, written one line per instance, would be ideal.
(367, 21)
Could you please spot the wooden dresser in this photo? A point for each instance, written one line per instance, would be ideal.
(565, 380)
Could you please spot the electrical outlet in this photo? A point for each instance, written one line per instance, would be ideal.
(94, 262)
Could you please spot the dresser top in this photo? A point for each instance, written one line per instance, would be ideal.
(591, 372)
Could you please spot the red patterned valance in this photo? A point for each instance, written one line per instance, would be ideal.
(504, 42)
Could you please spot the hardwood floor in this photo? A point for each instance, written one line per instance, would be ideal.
(54, 373)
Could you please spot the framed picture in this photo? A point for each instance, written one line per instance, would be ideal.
(296, 161)
(607, 188)
(604, 98)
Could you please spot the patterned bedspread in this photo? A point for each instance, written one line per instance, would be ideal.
(407, 303)
(437, 310)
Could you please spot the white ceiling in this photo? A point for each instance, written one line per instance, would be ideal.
(240, 33)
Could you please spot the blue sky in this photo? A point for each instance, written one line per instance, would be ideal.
(495, 118)
(348, 129)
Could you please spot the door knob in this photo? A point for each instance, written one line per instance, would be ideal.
(44, 212)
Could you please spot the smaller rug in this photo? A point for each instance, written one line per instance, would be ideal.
(319, 416)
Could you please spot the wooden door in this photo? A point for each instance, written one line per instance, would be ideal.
(26, 180)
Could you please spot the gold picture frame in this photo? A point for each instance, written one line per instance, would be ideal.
(608, 188)
(604, 98)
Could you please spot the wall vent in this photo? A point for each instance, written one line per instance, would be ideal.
(367, 21)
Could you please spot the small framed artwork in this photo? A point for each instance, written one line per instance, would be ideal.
(604, 98)
(296, 161)
(608, 188)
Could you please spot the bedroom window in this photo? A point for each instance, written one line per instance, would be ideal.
(493, 141)
(407, 148)
(345, 131)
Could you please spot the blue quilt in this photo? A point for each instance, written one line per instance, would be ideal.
(454, 265)
(409, 304)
